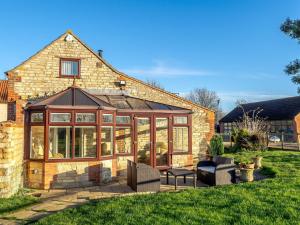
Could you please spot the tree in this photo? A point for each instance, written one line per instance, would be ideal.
(240, 101)
(155, 83)
(292, 29)
(208, 99)
(204, 97)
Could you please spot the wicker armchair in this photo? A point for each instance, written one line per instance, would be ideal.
(218, 171)
(142, 178)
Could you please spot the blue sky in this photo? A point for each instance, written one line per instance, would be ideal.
(232, 47)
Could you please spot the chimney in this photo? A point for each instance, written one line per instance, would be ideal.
(100, 53)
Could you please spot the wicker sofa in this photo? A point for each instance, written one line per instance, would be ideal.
(142, 178)
(218, 171)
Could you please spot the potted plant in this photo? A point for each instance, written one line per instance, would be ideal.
(246, 170)
(257, 161)
(247, 164)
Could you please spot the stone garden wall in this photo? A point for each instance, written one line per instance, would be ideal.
(11, 158)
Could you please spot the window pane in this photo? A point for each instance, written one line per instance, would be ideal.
(123, 119)
(69, 68)
(180, 139)
(162, 139)
(37, 142)
(85, 117)
(107, 118)
(180, 119)
(60, 142)
(37, 117)
(106, 141)
(60, 117)
(85, 142)
(123, 140)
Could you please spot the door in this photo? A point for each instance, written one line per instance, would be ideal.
(143, 143)
(161, 144)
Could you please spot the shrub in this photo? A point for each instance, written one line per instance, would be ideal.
(216, 145)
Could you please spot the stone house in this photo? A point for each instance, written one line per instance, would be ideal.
(74, 120)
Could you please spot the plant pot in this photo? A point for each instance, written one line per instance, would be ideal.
(246, 175)
(246, 165)
(257, 162)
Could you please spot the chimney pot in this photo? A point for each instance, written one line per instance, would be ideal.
(100, 52)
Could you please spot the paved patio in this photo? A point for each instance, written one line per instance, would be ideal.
(53, 201)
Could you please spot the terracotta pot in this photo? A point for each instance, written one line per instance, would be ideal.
(257, 162)
(246, 175)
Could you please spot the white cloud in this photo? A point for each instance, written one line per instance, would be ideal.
(160, 68)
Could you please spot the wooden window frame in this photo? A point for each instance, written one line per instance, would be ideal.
(113, 125)
(72, 60)
(189, 126)
(131, 125)
(98, 124)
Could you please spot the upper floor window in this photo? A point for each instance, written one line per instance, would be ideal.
(70, 67)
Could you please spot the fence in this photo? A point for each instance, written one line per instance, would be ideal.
(280, 140)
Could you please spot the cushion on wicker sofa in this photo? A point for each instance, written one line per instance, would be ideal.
(210, 169)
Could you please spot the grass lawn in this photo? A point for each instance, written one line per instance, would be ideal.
(271, 201)
(17, 201)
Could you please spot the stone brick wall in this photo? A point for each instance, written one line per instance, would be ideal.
(11, 158)
(3, 112)
(40, 75)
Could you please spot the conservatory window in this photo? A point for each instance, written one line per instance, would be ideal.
(106, 141)
(37, 117)
(180, 139)
(107, 118)
(123, 119)
(123, 140)
(60, 142)
(85, 142)
(60, 117)
(37, 142)
(180, 120)
(85, 117)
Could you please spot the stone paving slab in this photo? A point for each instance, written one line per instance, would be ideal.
(57, 200)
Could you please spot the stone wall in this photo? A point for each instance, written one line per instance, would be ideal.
(40, 75)
(70, 174)
(11, 158)
(3, 112)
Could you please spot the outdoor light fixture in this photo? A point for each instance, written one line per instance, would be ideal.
(122, 83)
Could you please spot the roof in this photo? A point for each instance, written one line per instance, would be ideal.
(124, 103)
(74, 98)
(277, 109)
(122, 75)
(3, 91)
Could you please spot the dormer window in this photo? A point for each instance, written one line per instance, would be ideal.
(69, 68)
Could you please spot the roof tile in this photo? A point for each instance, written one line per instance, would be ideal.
(3, 91)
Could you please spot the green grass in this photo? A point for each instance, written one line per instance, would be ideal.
(20, 200)
(270, 201)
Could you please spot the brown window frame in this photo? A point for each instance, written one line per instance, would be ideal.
(113, 125)
(73, 124)
(189, 126)
(131, 125)
(73, 60)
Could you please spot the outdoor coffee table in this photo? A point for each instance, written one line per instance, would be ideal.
(181, 172)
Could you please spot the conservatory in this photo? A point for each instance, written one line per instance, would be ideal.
(74, 136)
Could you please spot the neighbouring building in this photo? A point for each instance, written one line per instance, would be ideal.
(283, 115)
(74, 120)
(3, 100)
